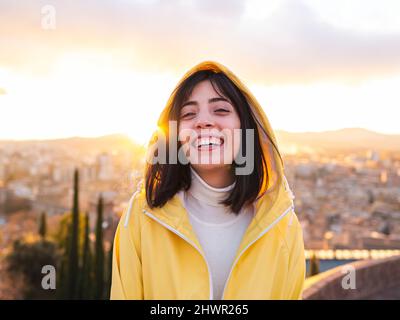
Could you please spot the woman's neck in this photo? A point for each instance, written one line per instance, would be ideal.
(217, 178)
(202, 191)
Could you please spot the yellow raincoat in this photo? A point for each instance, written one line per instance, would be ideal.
(158, 256)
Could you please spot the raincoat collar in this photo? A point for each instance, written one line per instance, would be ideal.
(174, 215)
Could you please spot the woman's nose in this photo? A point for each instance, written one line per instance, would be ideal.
(204, 122)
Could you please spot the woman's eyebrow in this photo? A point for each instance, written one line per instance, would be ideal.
(217, 99)
(195, 103)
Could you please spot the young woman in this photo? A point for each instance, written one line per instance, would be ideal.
(215, 217)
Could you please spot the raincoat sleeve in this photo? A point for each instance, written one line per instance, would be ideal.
(126, 280)
(297, 262)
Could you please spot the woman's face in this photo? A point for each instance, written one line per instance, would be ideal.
(207, 124)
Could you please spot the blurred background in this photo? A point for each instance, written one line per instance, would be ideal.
(82, 85)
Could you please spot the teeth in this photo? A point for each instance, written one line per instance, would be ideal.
(207, 141)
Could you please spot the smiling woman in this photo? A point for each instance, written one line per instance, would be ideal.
(207, 230)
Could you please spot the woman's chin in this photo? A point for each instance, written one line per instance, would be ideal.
(209, 166)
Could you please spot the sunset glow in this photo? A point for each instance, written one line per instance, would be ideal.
(96, 81)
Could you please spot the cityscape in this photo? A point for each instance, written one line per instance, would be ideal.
(344, 200)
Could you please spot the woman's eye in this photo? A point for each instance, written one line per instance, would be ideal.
(222, 110)
(188, 114)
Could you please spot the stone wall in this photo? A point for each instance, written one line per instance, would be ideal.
(371, 277)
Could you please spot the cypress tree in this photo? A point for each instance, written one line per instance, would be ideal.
(109, 270)
(43, 226)
(63, 278)
(314, 265)
(85, 290)
(99, 255)
(73, 259)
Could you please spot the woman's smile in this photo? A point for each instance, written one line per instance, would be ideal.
(208, 143)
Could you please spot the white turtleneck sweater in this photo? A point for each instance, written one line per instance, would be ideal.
(219, 230)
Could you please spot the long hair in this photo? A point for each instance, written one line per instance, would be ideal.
(163, 181)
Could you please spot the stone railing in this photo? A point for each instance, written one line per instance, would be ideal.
(369, 277)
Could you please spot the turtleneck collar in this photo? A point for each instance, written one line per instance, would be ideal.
(205, 193)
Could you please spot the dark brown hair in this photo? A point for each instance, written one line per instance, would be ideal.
(163, 181)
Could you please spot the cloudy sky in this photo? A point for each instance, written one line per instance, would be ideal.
(90, 68)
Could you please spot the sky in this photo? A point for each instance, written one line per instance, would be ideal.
(73, 68)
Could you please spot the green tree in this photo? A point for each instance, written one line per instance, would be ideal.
(73, 256)
(314, 265)
(63, 239)
(85, 284)
(61, 235)
(26, 261)
(62, 275)
(43, 226)
(99, 253)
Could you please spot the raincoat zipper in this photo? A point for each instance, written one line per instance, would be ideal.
(149, 214)
(291, 207)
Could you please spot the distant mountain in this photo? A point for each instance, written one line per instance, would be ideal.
(343, 139)
(109, 143)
